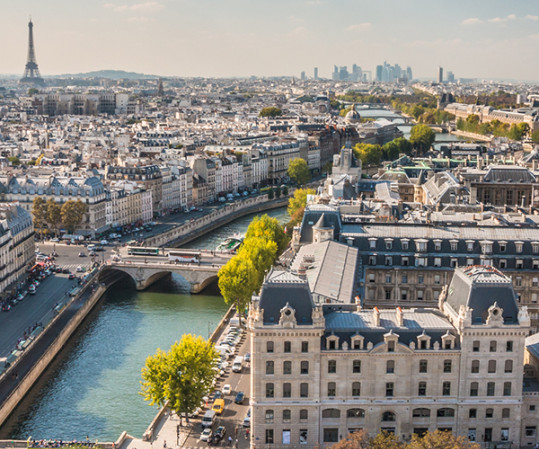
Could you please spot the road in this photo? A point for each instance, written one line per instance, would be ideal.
(38, 308)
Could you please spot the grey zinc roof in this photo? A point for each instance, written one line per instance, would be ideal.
(332, 272)
(479, 288)
(413, 319)
(513, 174)
(440, 232)
(282, 288)
(532, 345)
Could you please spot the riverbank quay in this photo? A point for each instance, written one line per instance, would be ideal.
(26, 369)
(191, 230)
(472, 136)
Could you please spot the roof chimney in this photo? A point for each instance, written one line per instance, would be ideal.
(358, 303)
(400, 317)
(376, 315)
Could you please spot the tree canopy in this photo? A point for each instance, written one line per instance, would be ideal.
(39, 211)
(72, 214)
(268, 228)
(237, 281)
(422, 137)
(369, 154)
(384, 440)
(182, 376)
(299, 171)
(54, 214)
(270, 111)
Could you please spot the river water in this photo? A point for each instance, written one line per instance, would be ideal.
(94, 389)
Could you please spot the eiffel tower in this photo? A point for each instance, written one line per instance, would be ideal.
(31, 70)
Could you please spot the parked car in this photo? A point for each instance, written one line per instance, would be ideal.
(227, 389)
(247, 357)
(81, 254)
(71, 276)
(247, 419)
(32, 290)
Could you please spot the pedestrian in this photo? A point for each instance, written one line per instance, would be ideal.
(165, 444)
(229, 440)
(246, 434)
(237, 443)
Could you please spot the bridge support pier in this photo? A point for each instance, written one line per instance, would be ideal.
(144, 283)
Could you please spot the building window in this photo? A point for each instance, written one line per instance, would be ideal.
(389, 244)
(421, 413)
(506, 413)
(535, 282)
(405, 261)
(469, 261)
(287, 416)
(391, 346)
(437, 245)
(420, 279)
(269, 416)
(303, 415)
(447, 366)
(269, 436)
(509, 346)
(332, 344)
(404, 279)
(489, 413)
(356, 388)
(331, 435)
(518, 246)
(356, 366)
(389, 389)
(503, 264)
(355, 413)
(287, 367)
(529, 431)
(389, 261)
(390, 366)
(421, 262)
(304, 367)
(388, 417)
(492, 366)
(422, 389)
(493, 346)
(404, 295)
(472, 434)
(372, 243)
(303, 436)
(518, 281)
(437, 261)
(270, 390)
(372, 260)
(304, 390)
(287, 346)
(476, 346)
(420, 295)
(387, 292)
(446, 389)
(508, 366)
(454, 245)
(388, 279)
(519, 264)
(507, 388)
(491, 388)
(269, 346)
(332, 366)
(404, 244)
(469, 245)
(474, 387)
(472, 413)
(331, 389)
(504, 434)
(372, 278)
(422, 366)
(331, 413)
(445, 413)
(437, 279)
(488, 434)
(453, 262)
(270, 368)
(287, 390)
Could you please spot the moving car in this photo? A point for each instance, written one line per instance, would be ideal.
(71, 276)
(227, 389)
(247, 357)
(81, 254)
(206, 434)
(218, 435)
(239, 397)
(247, 419)
(218, 406)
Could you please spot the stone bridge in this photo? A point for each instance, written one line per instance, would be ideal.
(145, 274)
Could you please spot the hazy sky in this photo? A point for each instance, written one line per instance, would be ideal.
(472, 38)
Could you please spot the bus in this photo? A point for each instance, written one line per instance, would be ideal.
(142, 251)
(183, 256)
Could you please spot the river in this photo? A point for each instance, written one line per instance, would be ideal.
(94, 389)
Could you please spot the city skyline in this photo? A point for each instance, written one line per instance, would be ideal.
(187, 38)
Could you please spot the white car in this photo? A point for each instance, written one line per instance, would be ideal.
(79, 269)
(206, 434)
(227, 389)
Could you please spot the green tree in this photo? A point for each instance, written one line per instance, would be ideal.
(390, 151)
(182, 376)
(261, 253)
(299, 201)
(268, 228)
(32, 91)
(403, 145)
(386, 440)
(270, 111)
(39, 211)
(271, 194)
(422, 137)
(285, 190)
(14, 160)
(72, 214)
(441, 440)
(277, 192)
(299, 171)
(238, 282)
(368, 153)
(328, 167)
(54, 214)
(535, 136)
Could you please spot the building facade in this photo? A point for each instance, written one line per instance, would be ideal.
(319, 372)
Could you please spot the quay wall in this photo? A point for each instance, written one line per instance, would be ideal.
(189, 231)
(60, 332)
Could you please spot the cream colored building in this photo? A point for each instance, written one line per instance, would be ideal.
(319, 372)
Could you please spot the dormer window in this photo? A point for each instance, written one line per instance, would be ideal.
(503, 246)
(332, 342)
(535, 247)
(389, 243)
(486, 247)
(391, 340)
(372, 243)
(518, 247)
(357, 342)
(421, 245)
(448, 341)
(423, 341)
(469, 245)
(437, 245)
(405, 244)
(454, 245)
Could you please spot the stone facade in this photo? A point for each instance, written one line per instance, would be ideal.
(321, 371)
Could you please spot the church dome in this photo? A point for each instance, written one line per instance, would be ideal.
(352, 115)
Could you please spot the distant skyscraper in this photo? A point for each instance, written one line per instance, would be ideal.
(31, 70)
(440, 75)
(303, 76)
(409, 73)
(316, 73)
(450, 77)
(379, 71)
